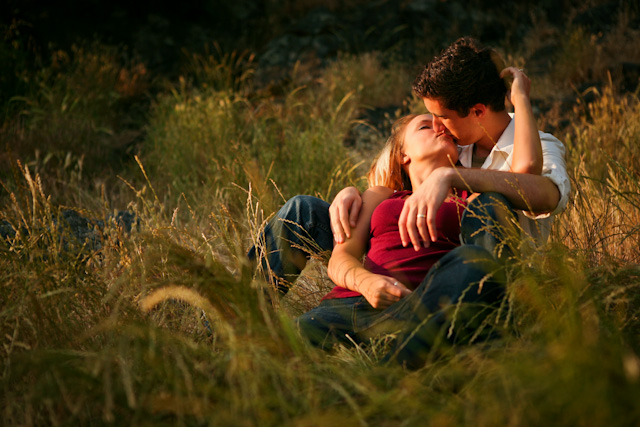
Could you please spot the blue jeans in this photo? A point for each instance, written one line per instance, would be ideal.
(300, 229)
(448, 299)
(336, 321)
(490, 222)
(450, 306)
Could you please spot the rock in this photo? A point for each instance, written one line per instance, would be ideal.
(76, 230)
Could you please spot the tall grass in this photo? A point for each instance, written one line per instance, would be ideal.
(169, 324)
(208, 137)
(602, 221)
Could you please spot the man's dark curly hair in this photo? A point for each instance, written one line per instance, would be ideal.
(463, 75)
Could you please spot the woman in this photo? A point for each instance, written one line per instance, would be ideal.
(390, 271)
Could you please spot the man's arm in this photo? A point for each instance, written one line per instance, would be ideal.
(528, 192)
(343, 212)
(525, 191)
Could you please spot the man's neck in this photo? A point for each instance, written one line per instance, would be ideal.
(493, 126)
(477, 160)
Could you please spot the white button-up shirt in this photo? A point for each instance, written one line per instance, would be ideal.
(554, 167)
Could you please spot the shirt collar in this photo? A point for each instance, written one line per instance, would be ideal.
(506, 139)
(465, 152)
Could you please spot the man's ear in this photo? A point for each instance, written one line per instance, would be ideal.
(479, 110)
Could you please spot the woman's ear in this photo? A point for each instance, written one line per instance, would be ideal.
(405, 159)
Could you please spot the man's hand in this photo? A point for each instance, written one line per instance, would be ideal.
(417, 221)
(344, 212)
(521, 85)
(527, 148)
(382, 291)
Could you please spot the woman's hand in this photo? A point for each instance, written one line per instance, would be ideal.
(382, 291)
(344, 211)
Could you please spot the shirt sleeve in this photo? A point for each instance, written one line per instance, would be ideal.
(555, 168)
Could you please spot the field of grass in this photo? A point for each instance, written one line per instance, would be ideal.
(168, 324)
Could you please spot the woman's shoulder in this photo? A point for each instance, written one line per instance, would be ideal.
(401, 194)
(378, 192)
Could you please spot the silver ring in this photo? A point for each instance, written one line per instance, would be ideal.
(395, 283)
(422, 216)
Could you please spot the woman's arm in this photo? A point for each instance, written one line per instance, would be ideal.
(345, 265)
(527, 150)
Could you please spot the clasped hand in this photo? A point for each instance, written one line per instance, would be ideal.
(382, 291)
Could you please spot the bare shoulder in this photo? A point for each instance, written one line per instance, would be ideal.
(374, 196)
(377, 192)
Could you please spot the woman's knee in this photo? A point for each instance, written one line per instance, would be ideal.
(468, 272)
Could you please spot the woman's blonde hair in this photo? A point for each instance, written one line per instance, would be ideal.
(386, 169)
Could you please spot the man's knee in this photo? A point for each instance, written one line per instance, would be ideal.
(305, 221)
(302, 208)
(490, 205)
(491, 197)
(491, 222)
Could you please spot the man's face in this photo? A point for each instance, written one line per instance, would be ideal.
(464, 130)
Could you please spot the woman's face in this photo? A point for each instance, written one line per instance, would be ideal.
(423, 144)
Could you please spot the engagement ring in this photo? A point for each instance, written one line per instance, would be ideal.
(395, 283)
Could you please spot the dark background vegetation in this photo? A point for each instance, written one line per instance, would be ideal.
(279, 32)
(161, 35)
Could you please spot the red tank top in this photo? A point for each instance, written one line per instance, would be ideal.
(387, 256)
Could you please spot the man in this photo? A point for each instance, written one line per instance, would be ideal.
(465, 92)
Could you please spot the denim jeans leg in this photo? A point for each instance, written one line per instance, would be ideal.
(300, 228)
(457, 295)
(489, 221)
(335, 321)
